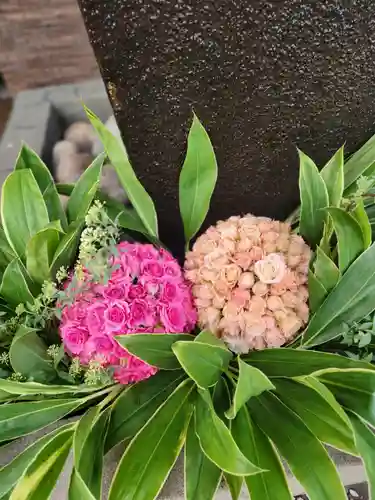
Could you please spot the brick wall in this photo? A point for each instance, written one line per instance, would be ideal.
(43, 42)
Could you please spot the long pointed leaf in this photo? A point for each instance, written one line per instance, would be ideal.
(197, 179)
(255, 445)
(67, 250)
(138, 196)
(149, 458)
(27, 158)
(316, 472)
(15, 287)
(23, 210)
(333, 176)
(85, 190)
(351, 300)
(326, 270)
(40, 251)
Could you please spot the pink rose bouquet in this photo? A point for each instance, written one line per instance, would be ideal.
(146, 293)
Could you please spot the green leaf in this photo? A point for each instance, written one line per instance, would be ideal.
(88, 441)
(150, 456)
(216, 440)
(316, 472)
(155, 349)
(202, 362)
(13, 471)
(40, 251)
(66, 252)
(15, 285)
(365, 441)
(333, 176)
(138, 196)
(251, 382)
(323, 419)
(23, 210)
(351, 300)
(41, 475)
(78, 489)
(361, 217)
(206, 337)
(85, 190)
(326, 270)
(362, 162)
(6, 252)
(287, 362)
(33, 388)
(28, 159)
(349, 237)
(354, 389)
(137, 404)
(197, 179)
(314, 198)
(317, 292)
(202, 477)
(234, 484)
(255, 445)
(19, 419)
(28, 356)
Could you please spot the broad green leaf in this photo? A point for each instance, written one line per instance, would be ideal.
(27, 158)
(202, 362)
(361, 217)
(23, 210)
(150, 456)
(126, 217)
(317, 292)
(78, 489)
(320, 417)
(67, 250)
(255, 445)
(88, 441)
(41, 475)
(314, 198)
(15, 285)
(349, 235)
(155, 349)
(326, 270)
(354, 389)
(137, 404)
(13, 471)
(206, 337)
(137, 194)
(202, 477)
(316, 472)
(362, 162)
(251, 382)
(351, 300)
(287, 362)
(197, 179)
(40, 251)
(85, 190)
(333, 176)
(216, 440)
(33, 388)
(28, 356)
(6, 252)
(365, 441)
(19, 419)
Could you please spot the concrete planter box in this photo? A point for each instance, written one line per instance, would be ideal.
(39, 118)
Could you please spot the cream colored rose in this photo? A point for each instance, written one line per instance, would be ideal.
(271, 269)
(228, 229)
(231, 274)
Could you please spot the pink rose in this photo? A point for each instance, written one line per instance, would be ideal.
(75, 312)
(95, 318)
(147, 252)
(137, 291)
(171, 268)
(74, 337)
(173, 318)
(100, 348)
(141, 314)
(116, 316)
(131, 263)
(152, 268)
(134, 371)
(114, 292)
(170, 292)
(151, 285)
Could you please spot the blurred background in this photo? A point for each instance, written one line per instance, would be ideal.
(42, 42)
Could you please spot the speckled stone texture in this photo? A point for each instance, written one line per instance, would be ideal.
(263, 76)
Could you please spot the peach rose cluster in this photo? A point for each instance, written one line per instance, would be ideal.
(249, 277)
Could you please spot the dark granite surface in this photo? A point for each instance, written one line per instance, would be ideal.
(263, 76)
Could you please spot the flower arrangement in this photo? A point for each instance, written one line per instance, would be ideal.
(261, 341)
